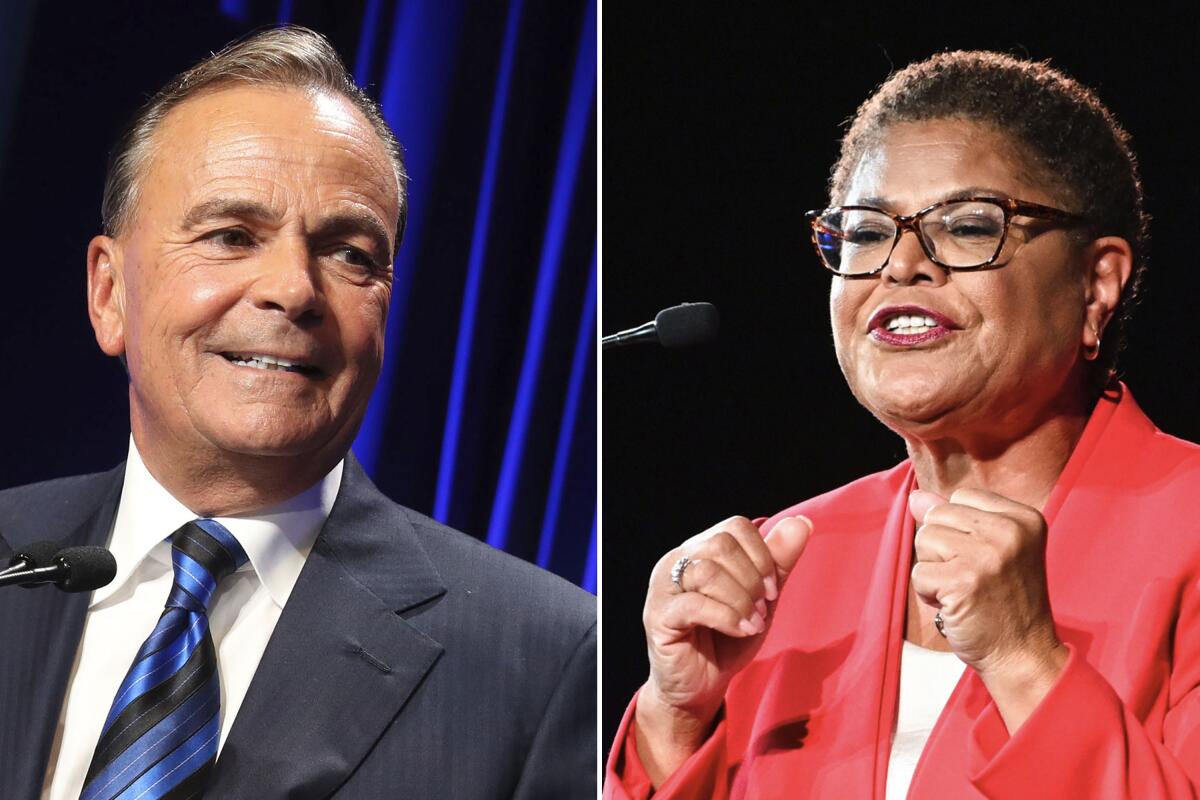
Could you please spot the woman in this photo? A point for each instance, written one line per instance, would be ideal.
(1012, 611)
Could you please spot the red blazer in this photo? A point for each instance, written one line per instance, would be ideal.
(812, 716)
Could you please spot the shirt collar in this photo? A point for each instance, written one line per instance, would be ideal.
(276, 539)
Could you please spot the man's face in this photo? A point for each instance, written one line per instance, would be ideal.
(251, 289)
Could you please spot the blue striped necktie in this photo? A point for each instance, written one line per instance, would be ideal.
(160, 737)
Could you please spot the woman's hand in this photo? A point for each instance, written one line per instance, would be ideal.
(700, 634)
(981, 561)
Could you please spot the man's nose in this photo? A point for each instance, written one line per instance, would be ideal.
(288, 281)
(909, 264)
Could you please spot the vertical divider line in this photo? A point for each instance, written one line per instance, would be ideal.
(475, 266)
(589, 579)
(585, 345)
(579, 108)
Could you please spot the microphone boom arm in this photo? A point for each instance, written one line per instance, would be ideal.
(630, 336)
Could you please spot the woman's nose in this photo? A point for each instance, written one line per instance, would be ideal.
(910, 264)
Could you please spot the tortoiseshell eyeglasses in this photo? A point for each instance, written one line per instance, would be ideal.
(964, 234)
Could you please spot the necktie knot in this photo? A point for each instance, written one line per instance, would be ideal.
(203, 553)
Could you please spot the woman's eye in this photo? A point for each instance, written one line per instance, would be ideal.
(970, 224)
(974, 228)
(867, 235)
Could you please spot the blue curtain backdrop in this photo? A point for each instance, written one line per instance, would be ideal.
(485, 414)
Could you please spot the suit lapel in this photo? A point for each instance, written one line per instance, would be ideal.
(40, 631)
(341, 662)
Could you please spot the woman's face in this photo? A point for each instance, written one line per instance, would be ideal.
(1008, 346)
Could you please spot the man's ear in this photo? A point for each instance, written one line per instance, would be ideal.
(106, 294)
(1110, 265)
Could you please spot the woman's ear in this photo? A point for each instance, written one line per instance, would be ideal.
(1109, 268)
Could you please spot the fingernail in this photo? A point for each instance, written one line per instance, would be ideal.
(758, 622)
(761, 605)
(771, 590)
(747, 627)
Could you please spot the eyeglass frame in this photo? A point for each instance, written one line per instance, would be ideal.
(909, 222)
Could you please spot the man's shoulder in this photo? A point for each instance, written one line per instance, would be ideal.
(495, 579)
(53, 508)
(495, 615)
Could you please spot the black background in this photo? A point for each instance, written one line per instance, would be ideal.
(720, 125)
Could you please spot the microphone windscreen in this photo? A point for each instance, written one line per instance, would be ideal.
(91, 568)
(687, 324)
(37, 554)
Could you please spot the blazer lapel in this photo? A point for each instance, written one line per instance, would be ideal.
(341, 662)
(40, 630)
(883, 626)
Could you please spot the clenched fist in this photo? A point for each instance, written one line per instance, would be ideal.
(981, 561)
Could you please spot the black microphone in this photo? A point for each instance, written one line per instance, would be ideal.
(73, 569)
(37, 554)
(678, 326)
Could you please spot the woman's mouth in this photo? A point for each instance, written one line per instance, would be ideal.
(906, 326)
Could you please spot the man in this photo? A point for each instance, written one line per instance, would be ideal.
(317, 640)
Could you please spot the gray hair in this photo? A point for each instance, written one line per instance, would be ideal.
(288, 57)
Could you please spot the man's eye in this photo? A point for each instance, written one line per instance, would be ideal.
(355, 257)
(230, 237)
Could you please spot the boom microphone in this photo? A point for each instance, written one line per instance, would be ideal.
(678, 326)
(73, 569)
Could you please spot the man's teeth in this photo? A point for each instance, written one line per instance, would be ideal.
(266, 362)
(910, 324)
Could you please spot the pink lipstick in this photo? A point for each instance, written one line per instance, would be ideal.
(907, 326)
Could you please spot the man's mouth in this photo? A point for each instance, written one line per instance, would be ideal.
(270, 363)
(904, 326)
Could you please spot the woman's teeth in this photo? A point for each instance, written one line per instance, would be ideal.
(908, 325)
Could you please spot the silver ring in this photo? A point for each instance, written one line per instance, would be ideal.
(939, 623)
(677, 572)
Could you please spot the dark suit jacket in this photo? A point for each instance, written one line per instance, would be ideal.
(411, 661)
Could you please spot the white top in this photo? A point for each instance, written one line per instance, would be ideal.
(242, 614)
(927, 679)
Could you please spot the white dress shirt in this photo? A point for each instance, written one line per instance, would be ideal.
(927, 679)
(242, 614)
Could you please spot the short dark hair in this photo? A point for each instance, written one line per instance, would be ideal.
(1076, 145)
(289, 57)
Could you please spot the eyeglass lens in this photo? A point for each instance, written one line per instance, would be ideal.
(957, 234)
